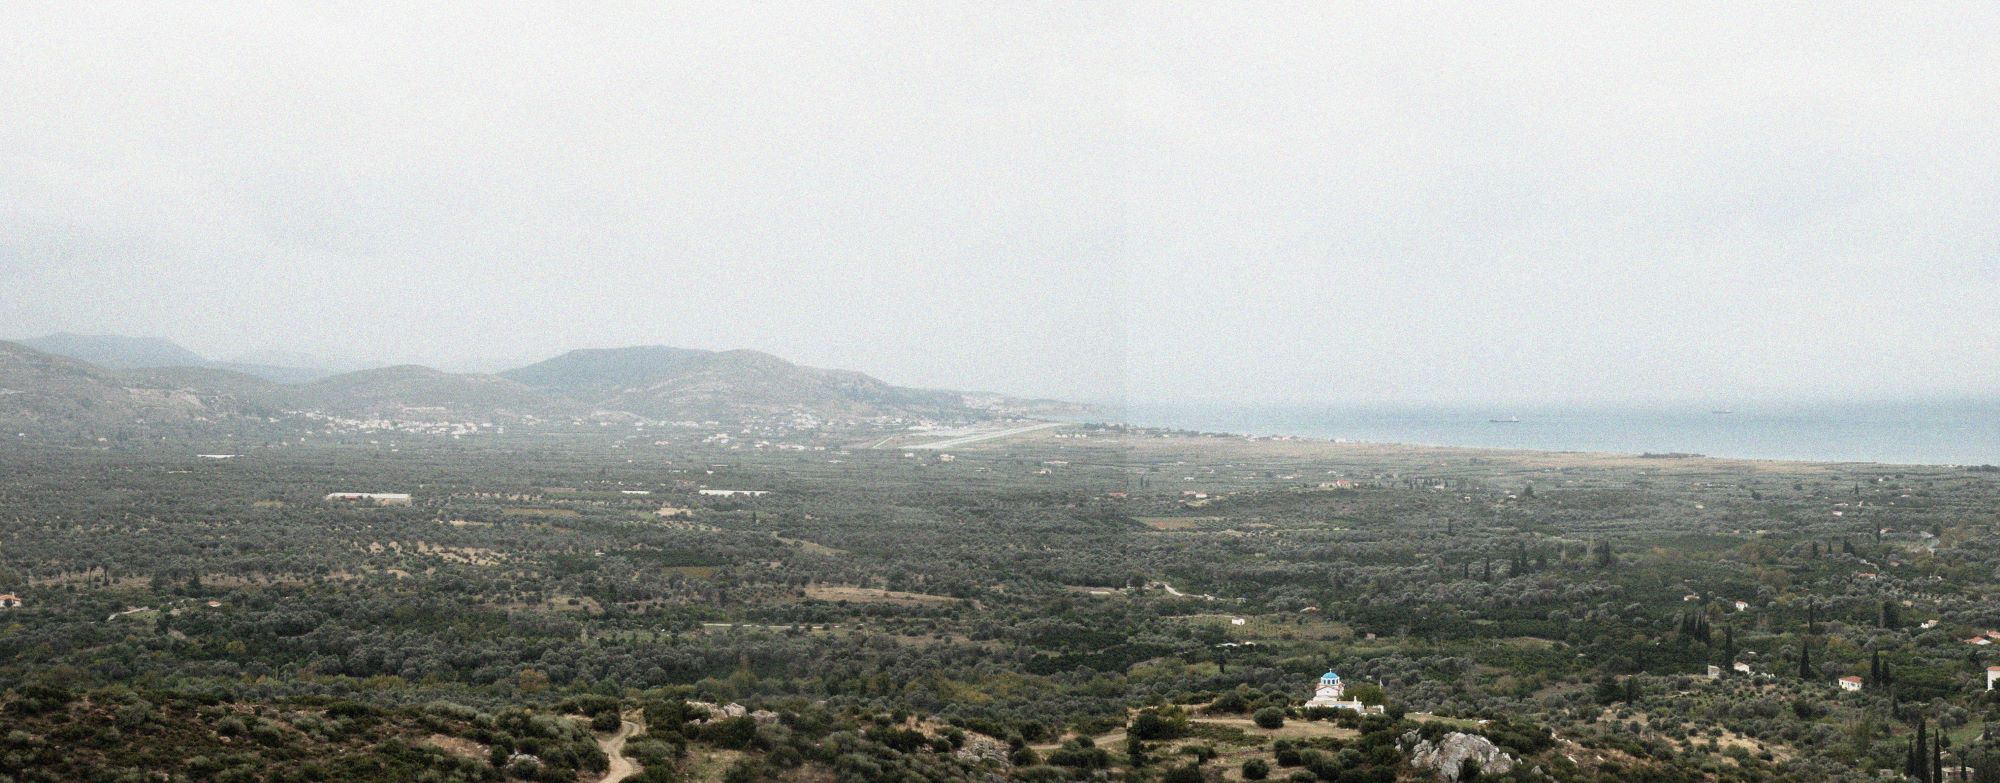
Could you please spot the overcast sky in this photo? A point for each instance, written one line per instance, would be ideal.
(1254, 202)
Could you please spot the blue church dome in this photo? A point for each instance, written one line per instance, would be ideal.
(1329, 677)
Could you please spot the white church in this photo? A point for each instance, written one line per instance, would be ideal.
(1332, 693)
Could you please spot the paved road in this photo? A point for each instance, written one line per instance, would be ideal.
(614, 747)
(979, 436)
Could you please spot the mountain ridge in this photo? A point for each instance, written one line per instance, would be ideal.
(50, 393)
(120, 352)
(667, 382)
(114, 351)
(654, 382)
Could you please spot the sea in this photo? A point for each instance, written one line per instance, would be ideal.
(1931, 432)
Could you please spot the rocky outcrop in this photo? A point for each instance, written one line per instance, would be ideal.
(979, 749)
(718, 711)
(1446, 757)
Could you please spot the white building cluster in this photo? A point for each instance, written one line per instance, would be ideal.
(378, 498)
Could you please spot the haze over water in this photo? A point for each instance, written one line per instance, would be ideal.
(1929, 432)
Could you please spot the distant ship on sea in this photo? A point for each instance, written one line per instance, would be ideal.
(1508, 420)
(1722, 411)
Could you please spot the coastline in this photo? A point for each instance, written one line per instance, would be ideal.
(1951, 433)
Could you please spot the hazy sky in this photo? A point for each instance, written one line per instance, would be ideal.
(1318, 202)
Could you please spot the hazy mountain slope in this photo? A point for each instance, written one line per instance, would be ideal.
(49, 393)
(596, 371)
(663, 382)
(58, 393)
(43, 391)
(410, 390)
(300, 360)
(207, 380)
(115, 351)
(118, 352)
(272, 373)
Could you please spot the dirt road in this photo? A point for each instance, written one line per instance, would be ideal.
(613, 746)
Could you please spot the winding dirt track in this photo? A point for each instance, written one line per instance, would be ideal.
(614, 747)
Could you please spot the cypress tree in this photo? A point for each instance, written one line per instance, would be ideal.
(1937, 757)
(1920, 769)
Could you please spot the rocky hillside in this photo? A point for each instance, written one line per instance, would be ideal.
(44, 392)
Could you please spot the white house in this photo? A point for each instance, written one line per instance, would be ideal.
(1714, 672)
(1850, 683)
(723, 493)
(12, 601)
(1992, 672)
(1742, 605)
(1742, 667)
(1235, 621)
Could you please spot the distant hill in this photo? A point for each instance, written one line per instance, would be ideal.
(414, 391)
(44, 392)
(273, 358)
(115, 351)
(597, 371)
(118, 352)
(211, 380)
(272, 373)
(669, 383)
